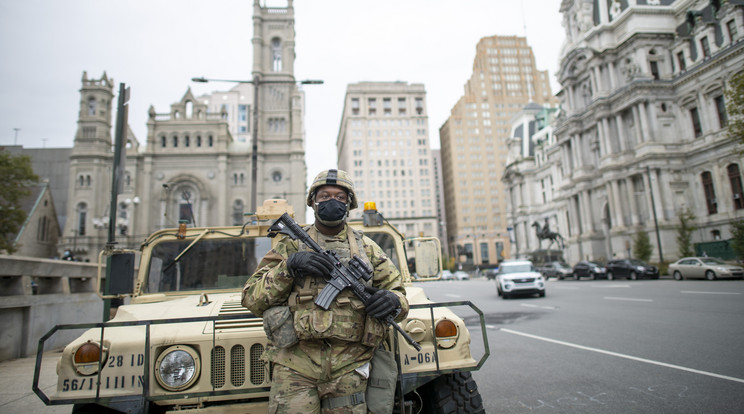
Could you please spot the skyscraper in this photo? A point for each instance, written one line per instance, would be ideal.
(383, 142)
(474, 151)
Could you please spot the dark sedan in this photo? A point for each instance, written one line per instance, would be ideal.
(631, 269)
(588, 269)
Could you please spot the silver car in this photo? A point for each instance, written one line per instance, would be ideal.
(709, 268)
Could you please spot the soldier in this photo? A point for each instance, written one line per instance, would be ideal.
(326, 366)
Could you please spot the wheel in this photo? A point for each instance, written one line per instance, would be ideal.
(633, 276)
(610, 276)
(710, 275)
(576, 276)
(592, 276)
(542, 294)
(560, 277)
(452, 393)
(504, 295)
(498, 291)
(677, 275)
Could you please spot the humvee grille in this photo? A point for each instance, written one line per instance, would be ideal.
(218, 367)
(237, 365)
(258, 368)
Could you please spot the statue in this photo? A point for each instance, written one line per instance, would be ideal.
(546, 233)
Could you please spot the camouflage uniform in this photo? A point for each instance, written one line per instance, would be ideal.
(335, 345)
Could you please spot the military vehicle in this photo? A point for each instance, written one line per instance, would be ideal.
(185, 343)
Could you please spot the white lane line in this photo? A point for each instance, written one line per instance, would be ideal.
(611, 286)
(451, 295)
(632, 358)
(565, 288)
(529, 305)
(710, 293)
(628, 299)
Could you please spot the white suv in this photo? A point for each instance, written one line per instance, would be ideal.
(519, 277)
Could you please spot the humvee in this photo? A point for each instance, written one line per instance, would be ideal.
(184, 342)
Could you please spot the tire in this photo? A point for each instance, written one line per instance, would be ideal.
(451, 394)
(576, 276)
(610, 276)
(92, 409)
(633, 276)
(504, 295)
(710, 275)
(677, 275)
(542, 294)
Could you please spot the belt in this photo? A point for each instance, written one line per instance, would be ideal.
(343, 401)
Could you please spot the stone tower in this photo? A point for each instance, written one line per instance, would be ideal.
(90, 167)
(280, 131)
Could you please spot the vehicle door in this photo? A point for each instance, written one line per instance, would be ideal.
(697, 269)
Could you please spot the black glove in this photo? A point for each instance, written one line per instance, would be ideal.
(382, 302)
(309, 263)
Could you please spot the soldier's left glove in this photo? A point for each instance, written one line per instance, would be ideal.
(382, 302)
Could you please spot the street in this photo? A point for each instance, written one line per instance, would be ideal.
(658, 346)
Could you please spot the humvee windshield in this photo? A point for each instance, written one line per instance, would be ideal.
(219, 263)
(208, 264)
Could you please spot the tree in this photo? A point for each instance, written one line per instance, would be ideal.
(642, 247)
(684, 233)
(735, 107)
(737, 241)
(16, 175)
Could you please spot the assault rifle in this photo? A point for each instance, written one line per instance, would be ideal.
(342, 276)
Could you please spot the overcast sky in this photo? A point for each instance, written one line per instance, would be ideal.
(157, 46)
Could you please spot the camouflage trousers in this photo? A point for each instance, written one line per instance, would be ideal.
(294, 393)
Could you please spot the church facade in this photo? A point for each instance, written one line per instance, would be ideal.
(197, 164)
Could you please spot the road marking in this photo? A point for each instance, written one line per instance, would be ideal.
(711, 293)
(451, 295)
(610, 286)
(529, 305)
(632, 358)
(566, 288)
(628, 299)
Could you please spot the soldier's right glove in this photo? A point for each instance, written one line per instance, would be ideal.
(309, 263)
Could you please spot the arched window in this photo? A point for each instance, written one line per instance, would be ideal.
(91, 106)
(198, 140)
(82, 211)
(710, 192)
(175, 141)
(736, 189)
(189, 109)
(87, 180)
(186, 141)
(162, 141)
(237, 212)
(211, 141)
(276, 54)
(81, 180)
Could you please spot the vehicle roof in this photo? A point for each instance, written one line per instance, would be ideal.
(515, 262)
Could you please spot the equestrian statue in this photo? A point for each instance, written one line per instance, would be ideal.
(546, 233)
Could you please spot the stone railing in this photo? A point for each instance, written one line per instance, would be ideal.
(37, 294)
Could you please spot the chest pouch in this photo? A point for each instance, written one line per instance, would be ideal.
(279, 326)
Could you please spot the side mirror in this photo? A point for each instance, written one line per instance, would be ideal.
(428, 257)
(119, 271)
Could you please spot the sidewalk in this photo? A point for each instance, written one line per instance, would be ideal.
(16, 377)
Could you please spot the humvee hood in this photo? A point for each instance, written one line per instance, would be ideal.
(183, 307)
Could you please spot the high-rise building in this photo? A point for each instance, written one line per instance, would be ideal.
(474, 147)
(383, 142)
(198, 161)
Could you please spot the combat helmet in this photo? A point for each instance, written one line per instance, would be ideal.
(338, 178)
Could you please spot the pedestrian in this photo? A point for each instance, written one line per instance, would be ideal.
(322, 357)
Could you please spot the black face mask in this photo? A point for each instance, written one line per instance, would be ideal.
(331, 212)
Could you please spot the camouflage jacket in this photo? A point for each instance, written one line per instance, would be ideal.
(332, 342)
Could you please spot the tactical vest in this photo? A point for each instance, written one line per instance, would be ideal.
(346, 319)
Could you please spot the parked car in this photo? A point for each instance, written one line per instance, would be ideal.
(491, 273)
(460, 275)
(588, 269)
(709, 268)
(632, 269)
(519, 277)
(556, 269)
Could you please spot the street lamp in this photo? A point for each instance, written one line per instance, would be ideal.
(256, 82)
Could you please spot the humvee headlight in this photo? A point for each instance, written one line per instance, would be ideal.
(446, 332)
(177, 368)
(86, 358)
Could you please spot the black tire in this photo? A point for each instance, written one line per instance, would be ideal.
(610, 276)
(452, 394)
(504, 295)
(633, 276)
(92, 409)
(576, 276)
(677, 275)
(542, 294)
(710, 275)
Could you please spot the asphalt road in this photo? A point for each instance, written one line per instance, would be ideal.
(652, 346)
